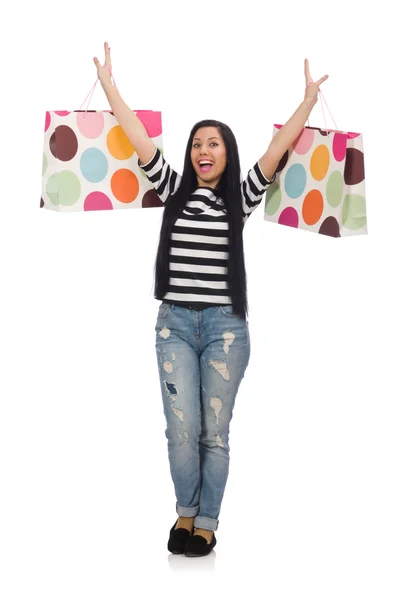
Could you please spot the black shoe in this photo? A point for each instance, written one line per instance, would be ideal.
(197, 545)
(178, 539)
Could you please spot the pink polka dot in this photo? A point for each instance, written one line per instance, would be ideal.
(304, 141)
(351, 135)
(90, 124)
(339, 146)
(289, 217)
(151, 120)
(97, 201)
(278, 126)
(62, 113)
(47, 121)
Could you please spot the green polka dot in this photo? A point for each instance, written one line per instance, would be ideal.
(353, 211)
(334, 189)
(63, 188)
(45, 164)
(273, 199)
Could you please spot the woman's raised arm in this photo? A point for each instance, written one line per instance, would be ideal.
(126, 118)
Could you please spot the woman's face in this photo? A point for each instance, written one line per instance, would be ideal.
(208, 146)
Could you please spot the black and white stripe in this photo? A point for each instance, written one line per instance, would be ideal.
(199, 239)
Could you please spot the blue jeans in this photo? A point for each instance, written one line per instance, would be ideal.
(202, 357)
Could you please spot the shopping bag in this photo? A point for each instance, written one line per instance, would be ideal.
(320, 184)
(90, 164)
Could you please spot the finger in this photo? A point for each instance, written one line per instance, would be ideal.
(107, 55)
(320, 81)
(307, 72)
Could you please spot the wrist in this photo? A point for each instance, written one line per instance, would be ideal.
(309, 102)
(107, 85)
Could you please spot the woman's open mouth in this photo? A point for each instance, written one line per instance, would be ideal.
(205, 166)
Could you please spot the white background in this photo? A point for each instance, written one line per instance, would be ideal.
(86, 498)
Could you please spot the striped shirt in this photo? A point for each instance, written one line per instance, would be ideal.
(198, 256)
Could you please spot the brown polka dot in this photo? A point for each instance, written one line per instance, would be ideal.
(41, 202)
(354, 166)
(283, 162)
(151, 199)
(63, 143)
(330, 226)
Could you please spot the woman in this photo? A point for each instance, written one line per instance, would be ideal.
(202, 335)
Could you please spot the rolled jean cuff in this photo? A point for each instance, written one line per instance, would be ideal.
(184, 511)
(206, 523)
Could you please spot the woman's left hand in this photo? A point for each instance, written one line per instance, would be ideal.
(312, 87)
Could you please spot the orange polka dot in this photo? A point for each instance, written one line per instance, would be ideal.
(313, 206)
(319, 163)
(118, 144)
(125, 185)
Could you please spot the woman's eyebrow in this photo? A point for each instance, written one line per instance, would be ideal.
(211, 138)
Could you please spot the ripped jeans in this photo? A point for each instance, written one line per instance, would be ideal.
(202, 357)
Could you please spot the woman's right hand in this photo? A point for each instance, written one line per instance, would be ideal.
(104, 71)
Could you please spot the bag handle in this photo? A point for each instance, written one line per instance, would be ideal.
(93, 89)
(322, 108)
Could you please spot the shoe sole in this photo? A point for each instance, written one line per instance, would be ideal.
(192, 555)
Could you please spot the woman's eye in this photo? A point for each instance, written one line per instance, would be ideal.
(197, 144)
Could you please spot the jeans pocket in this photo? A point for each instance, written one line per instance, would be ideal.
(164, 309)
(226, 310)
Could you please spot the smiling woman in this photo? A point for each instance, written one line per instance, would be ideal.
(202, 334)
(208, 156)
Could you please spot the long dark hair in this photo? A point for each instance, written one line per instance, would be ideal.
(229, 188)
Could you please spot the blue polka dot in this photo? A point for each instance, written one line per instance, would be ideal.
(94, 165)
(295, 180)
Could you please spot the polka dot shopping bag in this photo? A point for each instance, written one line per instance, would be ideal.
(90, 164)
(320, 184)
